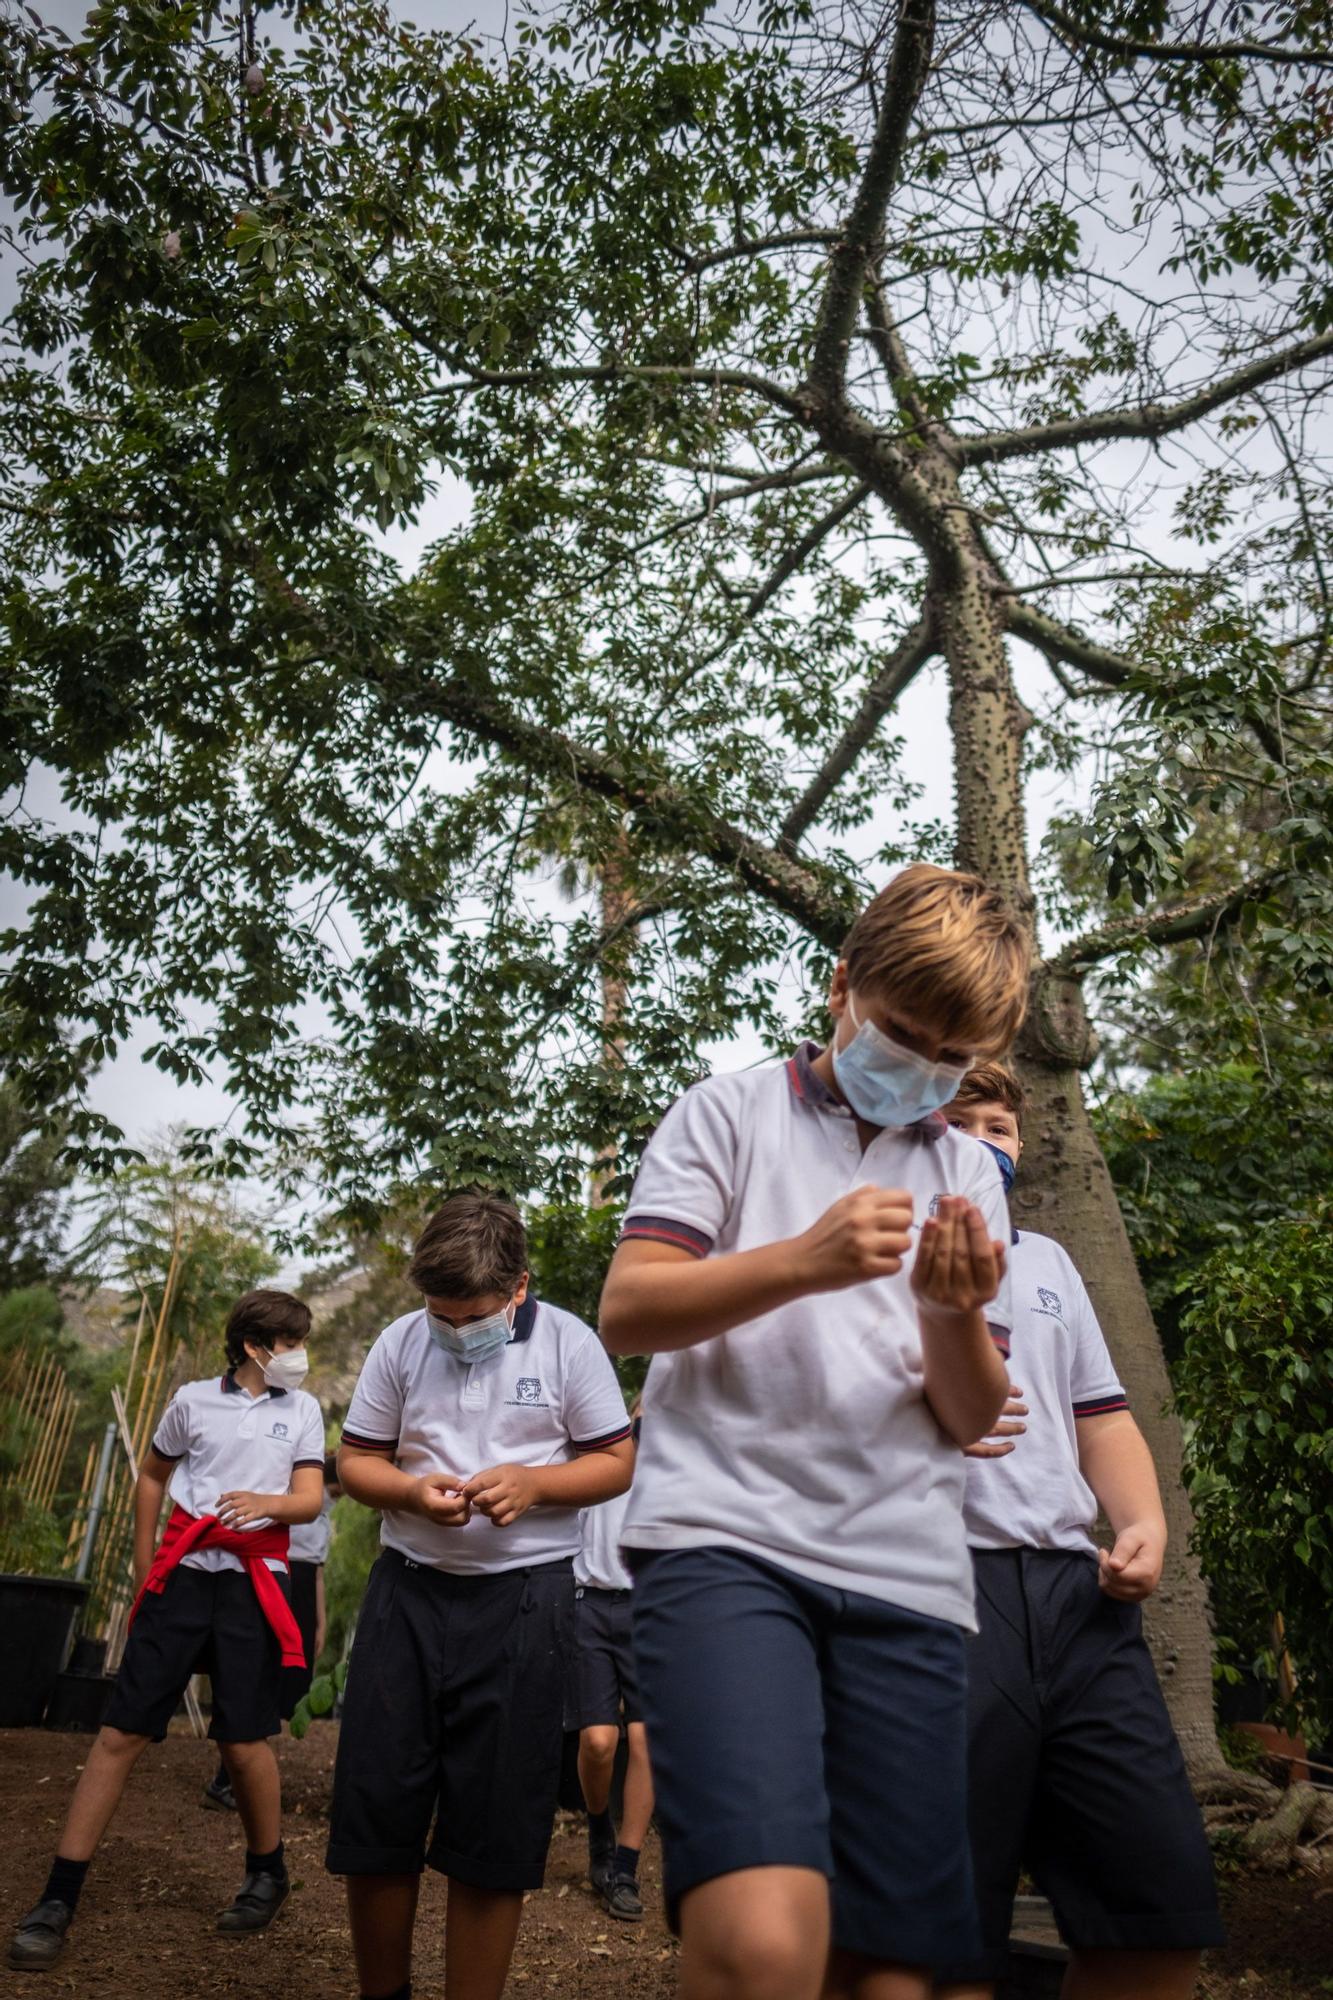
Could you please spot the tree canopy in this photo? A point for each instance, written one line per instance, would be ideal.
(783, 355)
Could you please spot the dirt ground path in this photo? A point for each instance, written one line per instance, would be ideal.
(145, 1926)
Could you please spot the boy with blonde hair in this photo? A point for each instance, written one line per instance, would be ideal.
(816, 1264)
(1075, 1772)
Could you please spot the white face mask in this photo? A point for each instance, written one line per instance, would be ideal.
(474, 1341)
(887, 1084)
(288, 1369)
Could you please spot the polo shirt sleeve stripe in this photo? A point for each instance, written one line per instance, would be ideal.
(601, 1443)
(1000, 1335)
(171, 1457)
(1102, 1406)
(368, 1444)
(662, 1229)
(299, 1462)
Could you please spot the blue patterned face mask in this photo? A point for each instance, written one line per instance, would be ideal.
(474, 1341)
(887, 1084)
(1008, 1168)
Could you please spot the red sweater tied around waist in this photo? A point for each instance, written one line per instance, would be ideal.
(187, 1532)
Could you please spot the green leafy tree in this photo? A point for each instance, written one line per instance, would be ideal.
(1255, 1381)
(787, 358)
(34, 1194)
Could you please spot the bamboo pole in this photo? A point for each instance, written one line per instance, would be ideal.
(51, 1422)
(61, 1452)
(80, 1510)
(138, 1336)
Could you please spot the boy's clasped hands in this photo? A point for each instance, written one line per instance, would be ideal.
(867, 1234)
(502, 1492)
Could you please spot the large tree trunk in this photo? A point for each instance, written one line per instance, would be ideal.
(1064, 1189)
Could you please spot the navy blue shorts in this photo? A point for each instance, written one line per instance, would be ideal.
(203, 1621)
(794, 1725)
(453, 1717)
(1076, 1774)
(608, 1689)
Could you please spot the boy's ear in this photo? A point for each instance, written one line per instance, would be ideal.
(521, 1290)
(838, 990)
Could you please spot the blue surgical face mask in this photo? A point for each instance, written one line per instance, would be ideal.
(887, 1084)
(474, 1341)
(1008, 1168)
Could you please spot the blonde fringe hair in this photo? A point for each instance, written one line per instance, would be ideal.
(948, 950)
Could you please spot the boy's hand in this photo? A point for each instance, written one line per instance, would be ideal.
(958, 1267)
(441, 1498)
(865, 1234)
(1133, 1568)
(1007, 1426)
(242, 1510)
(503, 1492)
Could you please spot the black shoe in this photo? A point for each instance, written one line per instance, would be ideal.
(258, 1901)
(623, 1900)
(218, 1794)
(600, 1859)
(40, 1938)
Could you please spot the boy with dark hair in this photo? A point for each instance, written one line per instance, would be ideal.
(480, 1425)
(608, 1692)
(816, 1264)
(242, 1458)
(1075, 1772)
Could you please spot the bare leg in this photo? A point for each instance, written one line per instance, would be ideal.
(638, 1789)
(757, 1934)
(597, 1758)
(855, 1978)
(113, 1756)
(382, 1910)
(1131, 1975)
(479, 1934)
(253, 1770)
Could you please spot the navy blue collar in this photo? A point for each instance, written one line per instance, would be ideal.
(231, 1387)
(525, 1318)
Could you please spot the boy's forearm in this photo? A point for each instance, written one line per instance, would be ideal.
(1117, 1464)
(587, 1480)
(148, 1493)
(290, 1509)
(965, 1378)
(375, 1481)
(652, 1308)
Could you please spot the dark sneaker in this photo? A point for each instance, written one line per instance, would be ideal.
(258, 1901)
(623, 1900)
(40, 1938)
(218, 1794)
(601, 1856)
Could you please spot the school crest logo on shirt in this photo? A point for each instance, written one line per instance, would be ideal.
(528, 1393)
(278, 1431)
(1049, 1302)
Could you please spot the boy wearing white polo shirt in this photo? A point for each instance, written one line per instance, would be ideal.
(242, 1457)
(608, 1693)
(479, 1427)
(816, 1265)
(1075, 1772)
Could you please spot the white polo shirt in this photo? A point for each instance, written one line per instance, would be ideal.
(599, 1564)
(224, 1440)
(804, 1436)
(547, 1395)
(310, 1541)
(1036, 1497)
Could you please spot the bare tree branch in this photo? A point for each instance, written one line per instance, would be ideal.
(810, 895)
(624, 371)
(1149, 420)
(1080, 32)
(859, 238)
(893, 678)
(800, 551)
(792, 239)
(1198, 916)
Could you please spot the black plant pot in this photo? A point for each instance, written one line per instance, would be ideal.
(37, 1614)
